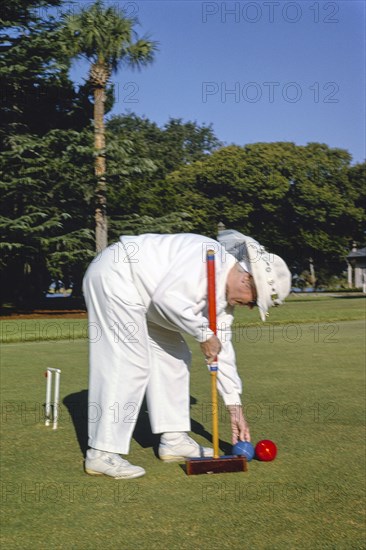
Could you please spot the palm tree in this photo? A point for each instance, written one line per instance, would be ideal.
(107, 39)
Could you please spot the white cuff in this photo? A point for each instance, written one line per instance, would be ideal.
(204, 334)
(231, 398)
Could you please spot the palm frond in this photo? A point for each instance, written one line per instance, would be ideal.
(105, 35)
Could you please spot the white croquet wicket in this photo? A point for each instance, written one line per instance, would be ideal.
(52, 408)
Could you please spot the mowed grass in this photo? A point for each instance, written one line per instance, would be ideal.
(304, 385)
(299, 309)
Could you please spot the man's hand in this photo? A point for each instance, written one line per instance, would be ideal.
(211, 348)
(239, 427)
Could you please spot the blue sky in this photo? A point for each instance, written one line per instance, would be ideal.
(256, 70)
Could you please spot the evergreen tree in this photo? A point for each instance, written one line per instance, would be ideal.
(37, 94)
(44, 212)
(38, 106)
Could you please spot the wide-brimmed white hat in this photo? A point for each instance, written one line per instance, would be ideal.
(272, 277)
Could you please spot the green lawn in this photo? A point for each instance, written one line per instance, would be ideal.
(304, 388)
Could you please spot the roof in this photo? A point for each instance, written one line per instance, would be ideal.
(359, 253)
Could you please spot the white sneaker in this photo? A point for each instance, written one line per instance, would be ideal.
(179, 446)
(100, 463)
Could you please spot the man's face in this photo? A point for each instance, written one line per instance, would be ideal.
(240, 288)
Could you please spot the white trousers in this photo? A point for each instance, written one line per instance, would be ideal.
(129, 357)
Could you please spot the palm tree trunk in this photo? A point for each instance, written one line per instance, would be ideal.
(101, 227)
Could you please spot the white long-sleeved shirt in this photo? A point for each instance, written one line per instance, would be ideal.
(170, 273)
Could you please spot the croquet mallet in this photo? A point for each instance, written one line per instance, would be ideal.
(216, 464)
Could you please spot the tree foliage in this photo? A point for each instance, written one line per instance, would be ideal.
(106, 37)
(37, 94)
(173, 146)
(300, 201)
(46, 194)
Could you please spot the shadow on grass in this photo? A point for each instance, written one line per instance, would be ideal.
(77, 405)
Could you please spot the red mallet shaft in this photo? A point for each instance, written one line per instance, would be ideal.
(217, 464)
(211, 292)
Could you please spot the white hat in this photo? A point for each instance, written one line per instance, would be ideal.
(271, 275)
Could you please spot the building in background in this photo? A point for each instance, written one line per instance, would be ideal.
(356, 261)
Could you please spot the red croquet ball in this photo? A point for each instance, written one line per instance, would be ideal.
(265, 450)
